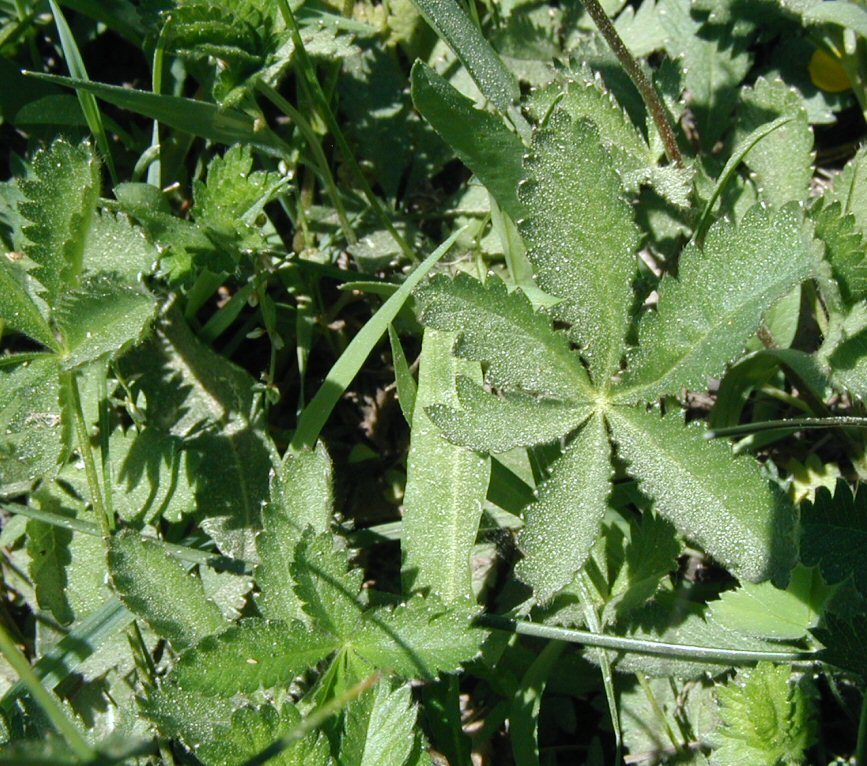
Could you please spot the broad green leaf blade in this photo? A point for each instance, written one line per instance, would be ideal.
(768, 612)
(419, 639)
(301, 498)
(721, 502)
(159, 589)
(315, 414)
(766, 718)
(782, 162)
(446, 485)
(452, 24)
(31, 426)
(251, 655)
(489, 423)
(834, 533)
(501, 329)
(328, 591)
(378, 728)
(581, 238)
(102, 318)
(562, 525)
(61, 191)
(18, 309)
(199, 118)
(480, 140)
(706, 315)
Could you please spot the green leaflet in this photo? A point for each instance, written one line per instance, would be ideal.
(850, 190)
(481, 140)
(708, 313)
(844, 249)
(446, 485)
(118, 248)
(250, 655)
(581, 238)
(328, 592)
(563, 523)
(301, 498)
(765, 611)
(102, 318)
(158, 589)
(48, 547)
(722, 503)
(782, 162)
(378, 728)
(766, 718)
(489, 423)
(834, 533)
(31, 430)
(502, 329)
(843, 639)
(18, 309)
(61, 193)
(453, 25)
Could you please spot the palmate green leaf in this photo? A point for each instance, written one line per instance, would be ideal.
(782, 162)
(489, 423)
(158, 589)
(834, 533)
(61, 191)
(581, 237)
(766, 719)
(721, 502)
(378, 728)
(446, 485)
(18, 309)
(32, 436)
(767, 612)
(479, 139)
(102, 318)
(561, 526)
(706, 315)
(300, 498)
(501, 329)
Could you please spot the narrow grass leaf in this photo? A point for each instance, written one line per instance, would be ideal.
(406, 385)
(446, 485)
(451, 22)
(345, 369)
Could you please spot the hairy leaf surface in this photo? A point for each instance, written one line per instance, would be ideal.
(721, 502)
(446, 485)
(60, 193)
(503, 330)
(379, 728)
(490, 423)
(17, 307)
(581, 238)
(562, 525)
(158, 589)
(708, 313)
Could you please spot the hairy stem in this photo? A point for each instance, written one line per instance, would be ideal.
(636, 74)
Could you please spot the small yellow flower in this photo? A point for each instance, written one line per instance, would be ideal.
(827, 73)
